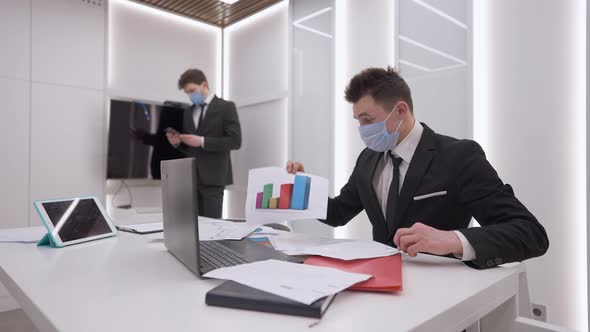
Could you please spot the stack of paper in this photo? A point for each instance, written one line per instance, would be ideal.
(294, 243)
(349, 250)
(298, 282)
(301, 244)
(217, 229)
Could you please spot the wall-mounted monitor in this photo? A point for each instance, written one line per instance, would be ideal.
(137, 141)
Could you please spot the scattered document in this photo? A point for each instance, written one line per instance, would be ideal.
(23, 235)
(150, 227)
(348, 250)
(216, 229)
(266, 232)
(275, 195)
(298, 282)
(294, 242)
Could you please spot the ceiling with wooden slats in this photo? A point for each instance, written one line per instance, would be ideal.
(212, 11)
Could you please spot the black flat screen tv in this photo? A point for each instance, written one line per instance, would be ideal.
(137, 141)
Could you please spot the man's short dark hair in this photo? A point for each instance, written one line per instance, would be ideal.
(383, 84)
(191, 76)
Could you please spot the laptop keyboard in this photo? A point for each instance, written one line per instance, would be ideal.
(217, 255)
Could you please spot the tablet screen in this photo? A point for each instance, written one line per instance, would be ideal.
(76, 219)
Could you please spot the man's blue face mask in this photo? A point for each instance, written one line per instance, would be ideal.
(197, 98)
(377, 137)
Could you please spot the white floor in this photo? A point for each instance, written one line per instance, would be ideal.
(16, 321)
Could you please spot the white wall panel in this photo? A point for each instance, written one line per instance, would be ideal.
(256, 52)
(256, 79)
(531, 118)
(15, 39)
(14, 168)
(453, 8)
(68, 43)
(264, 139)
(67, 143)
(443, 101)
(365, 37)
(149, 49)
(426, 27)
(435, 59)
(312, 85)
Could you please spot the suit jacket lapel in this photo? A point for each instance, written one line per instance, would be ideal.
(210, 109)
(418, 166)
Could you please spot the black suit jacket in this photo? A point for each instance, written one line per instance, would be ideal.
(509, 231)
(222, 132)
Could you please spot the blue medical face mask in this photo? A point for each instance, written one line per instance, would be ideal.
(377, 137)
(197, 98)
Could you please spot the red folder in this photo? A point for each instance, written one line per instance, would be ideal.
(386, 271)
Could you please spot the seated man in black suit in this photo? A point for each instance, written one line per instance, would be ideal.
(420, 189)
(211, 129)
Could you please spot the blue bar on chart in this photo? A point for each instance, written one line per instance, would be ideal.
(301, 188)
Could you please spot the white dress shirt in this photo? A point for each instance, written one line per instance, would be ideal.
(197, 113)
(384, 173)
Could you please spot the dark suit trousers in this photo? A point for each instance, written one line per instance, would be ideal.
(210, 200)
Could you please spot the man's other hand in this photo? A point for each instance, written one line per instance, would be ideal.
(173, 139)
(191, 140)
(294, 167)
(426, 239)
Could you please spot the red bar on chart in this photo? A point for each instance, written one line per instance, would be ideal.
(286, 194)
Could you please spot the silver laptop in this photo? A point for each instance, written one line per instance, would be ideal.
(181, 226)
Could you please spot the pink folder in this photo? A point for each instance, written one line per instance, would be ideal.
(386, 271)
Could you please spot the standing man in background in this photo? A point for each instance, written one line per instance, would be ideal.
(210, 130)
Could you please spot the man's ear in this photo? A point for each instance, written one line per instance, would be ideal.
(403, 109)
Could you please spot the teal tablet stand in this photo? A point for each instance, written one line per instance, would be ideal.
(46, 241)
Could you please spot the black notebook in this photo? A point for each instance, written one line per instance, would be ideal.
(233, 295)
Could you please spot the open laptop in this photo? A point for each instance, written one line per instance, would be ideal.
(181, 226)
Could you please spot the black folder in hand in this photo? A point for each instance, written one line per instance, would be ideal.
(233, 295)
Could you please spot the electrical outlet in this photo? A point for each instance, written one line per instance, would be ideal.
(539, 312)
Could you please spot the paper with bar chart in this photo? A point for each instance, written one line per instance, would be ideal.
(275, 195)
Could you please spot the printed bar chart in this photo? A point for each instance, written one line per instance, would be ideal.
(293, 196)
(301, 187)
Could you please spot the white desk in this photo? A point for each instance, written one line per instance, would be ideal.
(131, 283)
